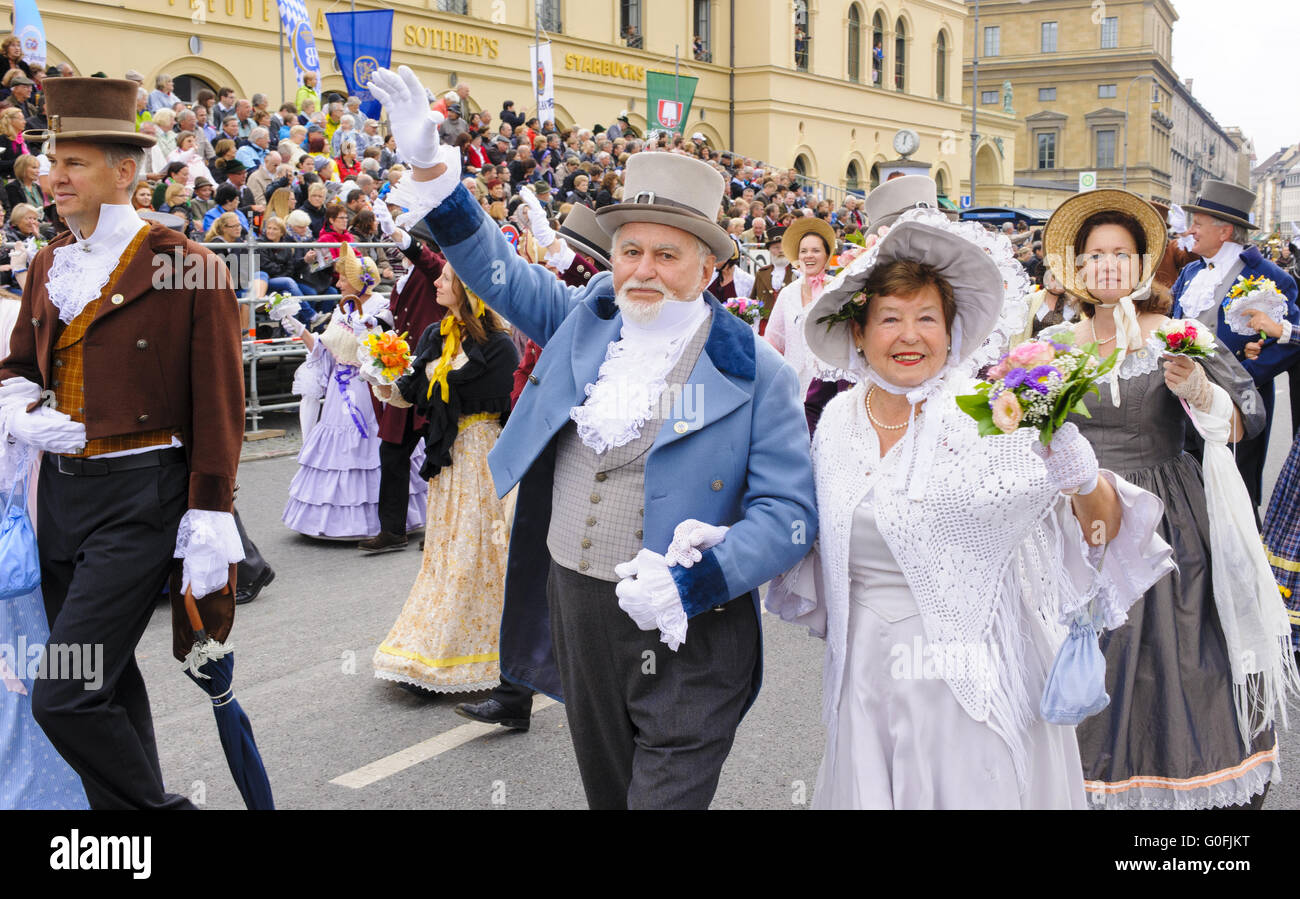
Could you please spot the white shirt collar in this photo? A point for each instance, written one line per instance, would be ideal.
(118, 223)
(1226, 255)
(675, 319)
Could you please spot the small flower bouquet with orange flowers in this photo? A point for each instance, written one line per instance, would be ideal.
(1036, 385)
(1182, 337)
(385, 357)
(1253, 294)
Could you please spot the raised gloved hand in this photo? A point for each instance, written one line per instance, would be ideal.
(414, 124)
(292, 326)
(1071, 463)
(537, 222)
(690, 539)
(19, 392)
(648, 594)
(384, 219)
(48, 430)
(1187, 380)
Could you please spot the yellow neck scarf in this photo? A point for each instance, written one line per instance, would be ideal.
(452, 330)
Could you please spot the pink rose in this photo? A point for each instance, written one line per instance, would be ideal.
(1030, 354)
(999, 371)
(1007, 412)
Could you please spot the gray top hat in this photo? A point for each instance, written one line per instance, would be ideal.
(1224, 201)
(674, 190)
(585, 235)
(976, 285)
(891, 199)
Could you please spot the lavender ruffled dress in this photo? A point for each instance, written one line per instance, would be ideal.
(335, 493)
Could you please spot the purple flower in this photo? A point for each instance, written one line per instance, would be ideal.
(1039, 377)
(1016, 378)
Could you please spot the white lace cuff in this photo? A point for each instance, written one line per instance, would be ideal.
(209, 543)
(560, 255)
(794, 596)
(1130, 563)
(665, 601)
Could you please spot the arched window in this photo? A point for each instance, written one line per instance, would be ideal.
(877, 50)
(941, 66)
(802, 35)
(801, 165)
(853, 177)
(187, 87)
(875, 176)
(940, 181)
(855, 44)
(548, 11)
(900, 49)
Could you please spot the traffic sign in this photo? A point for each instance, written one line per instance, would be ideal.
(965, 201)
(1087, 181)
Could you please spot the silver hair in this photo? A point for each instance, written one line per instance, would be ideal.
(1240, 234)
(162, 79)
(115, 154)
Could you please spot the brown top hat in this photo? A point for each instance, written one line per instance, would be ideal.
(98, 110)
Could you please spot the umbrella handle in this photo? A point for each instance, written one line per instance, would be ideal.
(192, 607)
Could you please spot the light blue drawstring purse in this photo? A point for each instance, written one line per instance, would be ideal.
(20, 565)
(1076, 685)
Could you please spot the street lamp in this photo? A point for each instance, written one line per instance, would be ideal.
(1127, 94)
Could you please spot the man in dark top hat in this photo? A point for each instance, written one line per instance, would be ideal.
(130, 379)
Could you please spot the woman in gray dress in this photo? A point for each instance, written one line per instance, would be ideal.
(1170, 737)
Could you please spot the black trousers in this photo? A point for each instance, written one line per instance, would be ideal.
(395, 480)
(651, 727)
(254, 564)
(106, 547)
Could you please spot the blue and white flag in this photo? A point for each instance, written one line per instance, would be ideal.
(363, 42)
(27, 25)
(298, 34)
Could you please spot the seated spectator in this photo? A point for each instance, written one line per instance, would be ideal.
(349, 166)
(26, 186)
(281, 267)
(12, 144)
(317, 269)
(279, 205)
(24, 223)
(227, 200)
(314, 207)
(174, 199)
(142, 197)
(163, 96)
(165, 119)
(336, 227)
(608, 193)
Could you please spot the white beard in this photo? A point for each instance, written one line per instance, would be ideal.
(638, 312)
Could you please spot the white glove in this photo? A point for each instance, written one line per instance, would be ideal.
(537, 222)
(648, 594)
(385, 219)
(401, 238)
(1195, 388)
(19, 392)
(48, 430)
(690, 538)
(414, 124)
(1071, 463)
(209, 543)
(418, 197)
(292, 326)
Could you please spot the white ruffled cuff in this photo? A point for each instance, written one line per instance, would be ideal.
(209, 543)
(664, 601)
(560, 255)
(794, 596)
(1130, 564)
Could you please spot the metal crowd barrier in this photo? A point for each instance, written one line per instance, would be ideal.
(257, 351)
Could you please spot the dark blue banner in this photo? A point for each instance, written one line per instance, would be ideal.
(363, 42)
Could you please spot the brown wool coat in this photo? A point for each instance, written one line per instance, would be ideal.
(161, 358)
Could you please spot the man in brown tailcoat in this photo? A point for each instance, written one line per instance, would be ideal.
(125, 369)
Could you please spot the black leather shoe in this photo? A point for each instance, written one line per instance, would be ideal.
(384, 542)
(489, 711)
(249, 593)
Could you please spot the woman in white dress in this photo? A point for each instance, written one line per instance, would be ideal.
(947, 561)
(810, 243)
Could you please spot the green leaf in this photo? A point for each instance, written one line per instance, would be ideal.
(975, 405)
(988, 428)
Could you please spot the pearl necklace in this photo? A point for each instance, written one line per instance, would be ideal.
(875, 421)
(1100, 343)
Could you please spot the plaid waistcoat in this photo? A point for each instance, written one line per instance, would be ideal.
(598, 500)
(69, 377)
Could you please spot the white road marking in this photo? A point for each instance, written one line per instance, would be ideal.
(425, 750)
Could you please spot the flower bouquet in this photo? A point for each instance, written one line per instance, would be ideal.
(280, 306)
(1253, 294)
(385, 357)
(1182, 337)
(745, 309)
(1036, 385)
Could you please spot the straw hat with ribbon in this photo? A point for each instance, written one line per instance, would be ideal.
(359, 274)
(800, 228)
(1060, 235)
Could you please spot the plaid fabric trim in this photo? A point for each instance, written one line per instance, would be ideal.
(1281, 535)
(70, 370)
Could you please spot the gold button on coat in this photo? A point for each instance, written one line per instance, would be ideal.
(583, 566)
(142, 344)
(117, 299)
(595, 497)
(716, 485)
(586, 543)
(639, 535)
(601, 476)
(591, 522)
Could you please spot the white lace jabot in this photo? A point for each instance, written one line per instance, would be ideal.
(82, 268)
(631, 379)
(1201, 293)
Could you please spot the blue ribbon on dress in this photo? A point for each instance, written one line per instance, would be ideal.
(343, 377)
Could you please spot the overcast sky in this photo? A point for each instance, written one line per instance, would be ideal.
(1244, 59)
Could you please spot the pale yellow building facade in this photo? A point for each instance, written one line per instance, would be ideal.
(803, 86)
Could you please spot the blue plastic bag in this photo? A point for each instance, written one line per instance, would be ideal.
(20, 564)
(1076, 685)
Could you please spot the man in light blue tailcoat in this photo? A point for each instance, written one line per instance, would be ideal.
(681, 472)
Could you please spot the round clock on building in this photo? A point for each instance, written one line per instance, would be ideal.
(906, 142)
